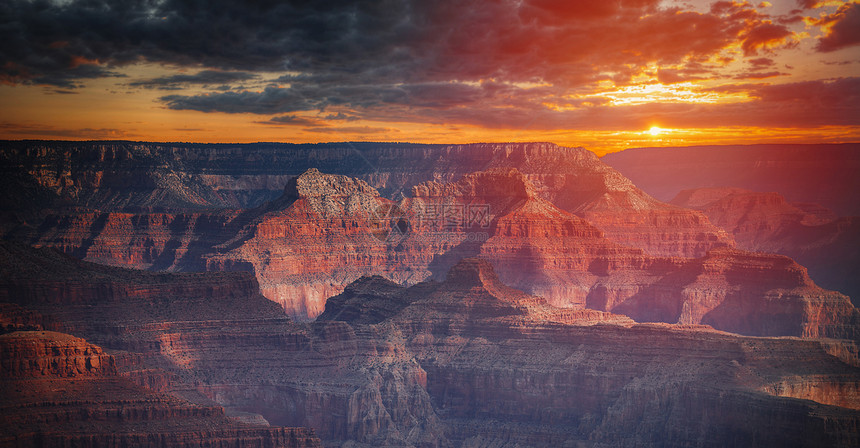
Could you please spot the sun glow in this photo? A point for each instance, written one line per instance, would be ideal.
(655, 131)
(685, 92)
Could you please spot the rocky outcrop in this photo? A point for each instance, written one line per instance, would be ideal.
(154, 241)
(41, 354)
(70, 295)
(187, 339)
(329, 230)
(109, 178)
(309, 244)
(542, 250)
(767, 222)
(469, 360)
(759, 221)
(499, 372)
(746, 293)
(59, 390)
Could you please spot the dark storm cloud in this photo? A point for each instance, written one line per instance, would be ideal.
(204, 78)
(40, 39)
(491, 63)
(272, 100)
(369, 42)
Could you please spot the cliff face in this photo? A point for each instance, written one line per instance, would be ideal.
(323, 233)
(498, 371)
(329, 230)
(742, 292)
(462, 361)
(767, 222)
(125, 177)
(236, 349)
(59, 390)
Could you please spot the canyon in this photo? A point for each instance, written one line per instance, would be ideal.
(133, 177)
(459, 362)
(766, 222)
(413, 295)
(60, 390)
(319, 236)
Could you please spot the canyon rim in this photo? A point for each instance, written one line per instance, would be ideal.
(401, 223)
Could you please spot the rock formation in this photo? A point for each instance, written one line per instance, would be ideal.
(767, 222)
(483, 295)
(458, 362)
(329, 230)
(498, 371)
(60, 390)
(106, 178)
(742, 292)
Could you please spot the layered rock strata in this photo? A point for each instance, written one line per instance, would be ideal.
(106, 178)
(499, 371)
(468, 360)
(767, 222)
(59, 390)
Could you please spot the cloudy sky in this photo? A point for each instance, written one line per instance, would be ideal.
(606, 74)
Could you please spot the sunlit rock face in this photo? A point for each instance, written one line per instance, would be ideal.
(460, 361)
(327, 230)
(135, 178)
(502, 368)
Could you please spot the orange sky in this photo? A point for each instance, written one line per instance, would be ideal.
(604, 75)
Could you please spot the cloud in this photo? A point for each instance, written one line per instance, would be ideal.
(844, 28)
(670, 76)
(757, 75)
(376, 42)
(353, 130)
(765, 36)
(292, 120)
(341, 116)
(272, 100)
(536, 64)
(46, 131)
(761, 62)
(204, 78)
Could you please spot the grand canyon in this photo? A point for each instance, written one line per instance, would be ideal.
(373, 294)
(429, 224)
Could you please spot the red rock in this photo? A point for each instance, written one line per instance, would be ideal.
(766, 222)
(470, 360)
(59, 390)
(745, 293)
(499, 371)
